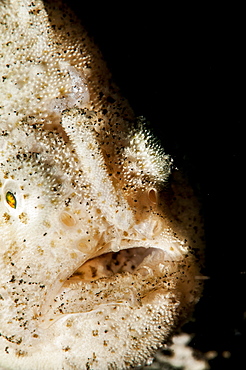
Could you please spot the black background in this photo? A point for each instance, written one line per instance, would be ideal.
(183, 69)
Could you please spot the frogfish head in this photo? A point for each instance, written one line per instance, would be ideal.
(100, 237)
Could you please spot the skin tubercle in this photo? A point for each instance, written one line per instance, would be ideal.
(101, 238)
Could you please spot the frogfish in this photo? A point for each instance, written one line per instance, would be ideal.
(100, 234)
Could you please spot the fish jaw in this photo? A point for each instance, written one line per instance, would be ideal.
(128, 313)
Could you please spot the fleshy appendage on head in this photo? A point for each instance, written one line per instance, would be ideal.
(100, 239)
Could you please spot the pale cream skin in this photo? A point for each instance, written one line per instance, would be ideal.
(100, 240)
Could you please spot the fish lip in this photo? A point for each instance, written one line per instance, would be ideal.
(72, 286)
(77, 274)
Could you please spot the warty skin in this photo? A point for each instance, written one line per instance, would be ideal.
(100, 239)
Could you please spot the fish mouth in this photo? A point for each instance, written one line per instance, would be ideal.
(131, 260)
(129, 277)
(131, 271)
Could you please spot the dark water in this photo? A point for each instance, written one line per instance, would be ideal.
(183, 68)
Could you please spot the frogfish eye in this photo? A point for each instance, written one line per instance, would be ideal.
(11, 200)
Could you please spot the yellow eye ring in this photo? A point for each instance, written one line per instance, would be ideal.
(11, 200)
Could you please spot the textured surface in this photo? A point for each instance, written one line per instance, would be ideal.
(198, 109)
(100, 243)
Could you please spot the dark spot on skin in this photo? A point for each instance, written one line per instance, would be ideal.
(93, 271)
(12, 279)
(110, 99)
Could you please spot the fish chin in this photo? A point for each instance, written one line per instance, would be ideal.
(127, 302)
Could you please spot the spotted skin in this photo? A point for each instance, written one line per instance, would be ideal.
(101, 238)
